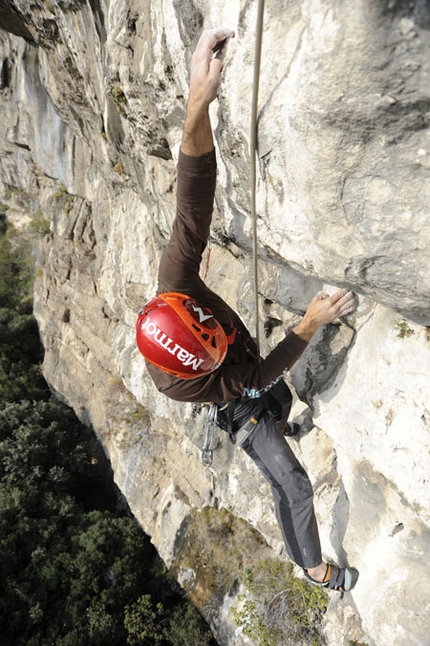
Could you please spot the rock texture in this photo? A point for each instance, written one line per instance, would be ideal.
(93, 95)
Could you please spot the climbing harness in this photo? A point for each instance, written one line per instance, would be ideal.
(253, 153)
(275, 403)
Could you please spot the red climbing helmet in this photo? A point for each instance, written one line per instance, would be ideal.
(180, 336)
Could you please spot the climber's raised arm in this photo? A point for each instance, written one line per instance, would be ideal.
(205, 77)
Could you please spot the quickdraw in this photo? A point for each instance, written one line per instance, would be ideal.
(212, 424)
(211, 433)
(211, 430)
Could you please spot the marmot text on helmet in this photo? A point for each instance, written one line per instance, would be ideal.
(185, 357)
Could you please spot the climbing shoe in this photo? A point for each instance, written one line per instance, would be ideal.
(291, 429)
(336, 578)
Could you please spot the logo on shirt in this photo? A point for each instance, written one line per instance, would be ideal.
(164, 341)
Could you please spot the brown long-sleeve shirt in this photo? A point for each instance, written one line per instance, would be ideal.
(241, 375)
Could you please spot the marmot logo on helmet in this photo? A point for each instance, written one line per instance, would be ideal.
(202, 316)
(185, 357)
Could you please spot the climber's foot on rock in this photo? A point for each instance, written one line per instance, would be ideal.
(332, 577)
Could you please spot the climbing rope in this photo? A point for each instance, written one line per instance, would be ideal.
(253, 153)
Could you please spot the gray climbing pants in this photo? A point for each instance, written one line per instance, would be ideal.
(292, 491)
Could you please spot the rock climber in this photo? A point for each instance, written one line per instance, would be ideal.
(197, 349)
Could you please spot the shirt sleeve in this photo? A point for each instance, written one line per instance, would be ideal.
(180, 263)
(234, 381)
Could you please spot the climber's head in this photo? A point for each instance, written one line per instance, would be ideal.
(180, 336)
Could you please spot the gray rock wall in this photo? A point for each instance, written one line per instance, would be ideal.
(93, 98)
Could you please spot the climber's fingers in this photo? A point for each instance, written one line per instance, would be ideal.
(207, 63)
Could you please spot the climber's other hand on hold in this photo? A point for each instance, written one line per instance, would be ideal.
(325, 309)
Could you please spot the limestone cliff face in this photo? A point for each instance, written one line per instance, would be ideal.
(93, 97)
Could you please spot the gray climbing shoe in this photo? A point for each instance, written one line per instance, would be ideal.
(341, 579)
